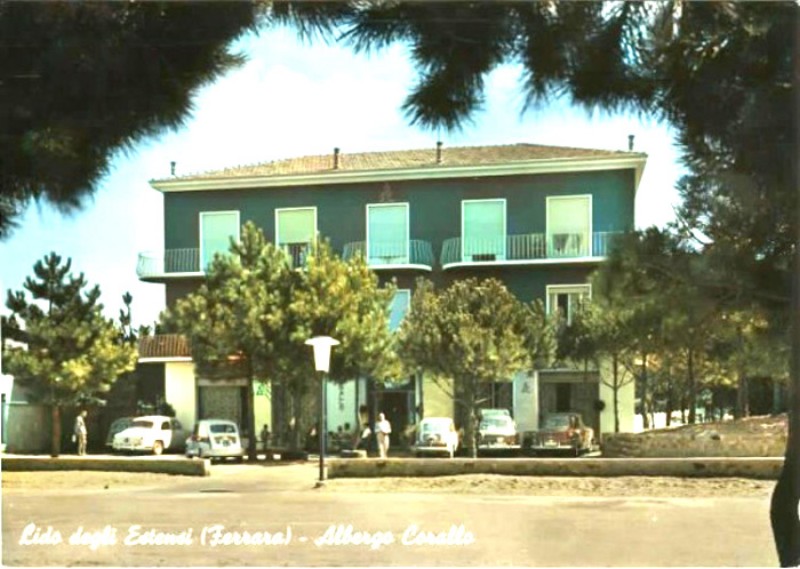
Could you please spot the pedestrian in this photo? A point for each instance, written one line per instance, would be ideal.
(384, 429)
(79, 433)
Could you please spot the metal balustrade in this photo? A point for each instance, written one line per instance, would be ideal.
(153, 264)
(526, 247)
(392, 253)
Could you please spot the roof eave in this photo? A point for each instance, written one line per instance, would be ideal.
(554, 165)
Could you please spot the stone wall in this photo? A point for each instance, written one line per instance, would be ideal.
(707, 444)
(765, 468)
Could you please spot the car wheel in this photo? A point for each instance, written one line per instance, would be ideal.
(158, 448)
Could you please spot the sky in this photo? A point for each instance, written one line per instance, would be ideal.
(296, 98)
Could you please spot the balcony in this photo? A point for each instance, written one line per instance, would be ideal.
(170, 264)
(296, 253)
(527, 249)
(412, 255)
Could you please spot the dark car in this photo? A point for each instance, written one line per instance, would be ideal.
(561, 432)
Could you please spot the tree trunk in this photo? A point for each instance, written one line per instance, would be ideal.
(298, 423)
(692, 389)
(55, 442)
(252, 453)
(670, 396)
(615, 364)
(470, 432)
(645, 393)
(785, 506)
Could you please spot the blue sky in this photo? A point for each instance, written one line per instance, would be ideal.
(292, 99)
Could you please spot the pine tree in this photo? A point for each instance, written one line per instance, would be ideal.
(71, 354)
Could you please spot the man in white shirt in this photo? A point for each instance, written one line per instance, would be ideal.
(80, 432)
(384, 429)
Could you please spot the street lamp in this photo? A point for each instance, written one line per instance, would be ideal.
(322, 359)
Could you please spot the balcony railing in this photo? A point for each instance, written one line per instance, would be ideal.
(392, 254)
(529, 247)
(297, 253)
(171, 262)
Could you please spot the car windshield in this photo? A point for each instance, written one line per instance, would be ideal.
(142, 423)
(556, 422)
(222, 428)
(496, 421)
(431, 427)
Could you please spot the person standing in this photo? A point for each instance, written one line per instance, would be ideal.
(384, 429)
(80, 432)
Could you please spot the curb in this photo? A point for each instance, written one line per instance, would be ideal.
(178, 466)
(762, 468)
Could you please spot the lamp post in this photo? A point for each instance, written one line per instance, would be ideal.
(322, 359)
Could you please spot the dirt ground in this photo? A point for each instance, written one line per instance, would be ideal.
(464, 484)
(757, 425)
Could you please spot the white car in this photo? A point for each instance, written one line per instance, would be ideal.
(497, 431)
(153, 433)
(436, 435)
(215, 438)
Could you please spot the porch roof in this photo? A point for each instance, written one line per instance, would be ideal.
(164, 346)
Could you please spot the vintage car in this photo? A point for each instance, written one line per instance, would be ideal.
(436, 435)
(561, 432)
(215, 438)
(117, 426)
(497, 431)
(152, 433)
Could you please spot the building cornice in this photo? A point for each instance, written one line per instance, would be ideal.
(549, 166)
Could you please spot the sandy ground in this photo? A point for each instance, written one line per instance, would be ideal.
(83, 480)
(565, 486)
(464, 484)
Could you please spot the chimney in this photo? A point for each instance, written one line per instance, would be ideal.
(439, 152)
(172, 168)
(630, 142)
(336, 158)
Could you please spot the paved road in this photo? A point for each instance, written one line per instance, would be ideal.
(468, 529)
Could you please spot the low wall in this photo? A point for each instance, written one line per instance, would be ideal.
(767, 468)
(710, 444)
(181, 465)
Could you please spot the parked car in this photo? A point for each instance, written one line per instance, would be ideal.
(436, 435)
(561, 432)
(117, 426)
(497, 431)
(215, 438)
(153, 433)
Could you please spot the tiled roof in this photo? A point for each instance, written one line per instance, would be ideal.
(164, 346)
(407, 159)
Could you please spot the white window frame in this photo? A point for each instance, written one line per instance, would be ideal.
(407, 291)
(548, 235)
(407, 206)
(566, 288)
(505, 226)
(211, 213)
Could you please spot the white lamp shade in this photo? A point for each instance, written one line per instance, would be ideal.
(322, 351)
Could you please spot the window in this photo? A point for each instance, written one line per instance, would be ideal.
(483, 230)
(387, 234)
(216, 230)
(569, 226)
(565, 299)
(564, 400)
(295, 231)
(400, 303)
